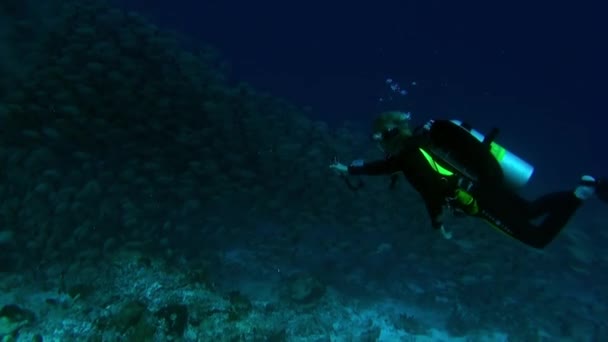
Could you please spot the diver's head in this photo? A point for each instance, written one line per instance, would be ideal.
(390, 130)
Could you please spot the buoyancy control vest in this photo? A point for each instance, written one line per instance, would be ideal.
(477, 158)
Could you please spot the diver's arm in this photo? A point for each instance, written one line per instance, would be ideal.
(373, 168)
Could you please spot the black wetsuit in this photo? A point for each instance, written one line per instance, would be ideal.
(433, 187)
(499, 206)
(515, 215)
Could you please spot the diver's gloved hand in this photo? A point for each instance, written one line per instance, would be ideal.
(445, 233)
(338, 167)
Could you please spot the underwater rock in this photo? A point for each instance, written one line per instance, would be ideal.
(372, 334)
(132, 320)
(80, 291)
(410, 324)
(13, 317)
(305, 289)
(240, 306)
(6, 237)
(175, 317)
(129, 315)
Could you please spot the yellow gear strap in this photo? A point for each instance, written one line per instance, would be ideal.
(442, 170)
(468, 202)
(497, 151)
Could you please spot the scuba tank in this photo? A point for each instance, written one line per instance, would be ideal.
(476, 156)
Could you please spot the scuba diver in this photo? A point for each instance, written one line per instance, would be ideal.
(455, 168)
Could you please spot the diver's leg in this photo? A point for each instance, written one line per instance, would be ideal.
(558, 208)
(588, 187)
(434, 209)
(546, 204)
(514, 215)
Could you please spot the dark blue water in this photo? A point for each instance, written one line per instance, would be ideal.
(537, 71)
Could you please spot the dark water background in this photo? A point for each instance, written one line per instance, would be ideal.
(536, 69)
